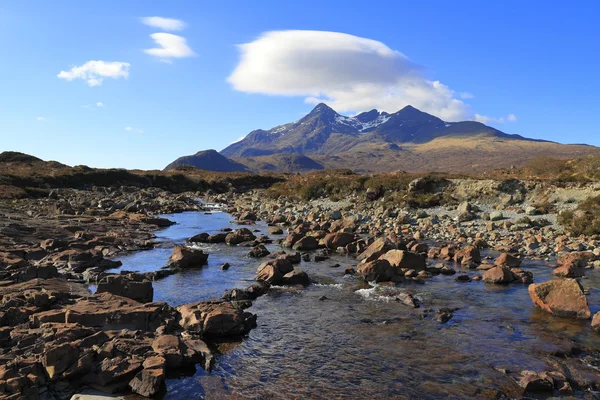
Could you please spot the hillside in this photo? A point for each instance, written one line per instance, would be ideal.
(209, 160)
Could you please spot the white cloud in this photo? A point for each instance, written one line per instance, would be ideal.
(100, 104)
(170, 46)
(40, 119)
(134, 130)
(94, 72)
(347, 72)
(489, 120)
(166, 24)
(465, 95)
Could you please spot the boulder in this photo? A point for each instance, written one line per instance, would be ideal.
(306, 243)
(259, 251)
(239, 236)
(337, 239)
(532, 381)
(112, 312)
(133, 286)
(563, 298)
(185, 257)
(596, 322)
(273, 271)
(578, 259)
(376, 249)
(199, 238)
(57, 359)
(499, 274)
(217, 237)
(376, 271)
(150, 380)
(215, 318)
(404, 259)
(496, 216)
(296, 277)
(569, 271)
(508, 260)
(468, 255)
(248, 216)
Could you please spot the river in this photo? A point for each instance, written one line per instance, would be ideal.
(359, 342)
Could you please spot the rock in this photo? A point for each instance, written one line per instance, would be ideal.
(273, 271)
(569, 271)
(335, 215)
(296, 277)
(444, 315)
(248, 216)
(259, 251)
(306, 243)
(579, 259)
(536, 382)
(531, 210)
(468, 255)
(133, 286)
(596, 322)
(404, 259)
(349, 271)
(499, 275)
(115, 373)
(376, 271)
(337, 239)
(225, 267)
(563, 298)
(275, 230)
(239, 236)
(114, 312)
(508, 260)
(217, 237)
(376, 249)
(408, 299)
(170, 348)
(57, 359)
(496, 216)
(185, 257)
(199, 238)
(150, 380)
(215, 318)
(291, 239)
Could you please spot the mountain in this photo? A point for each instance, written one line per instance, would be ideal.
(209, 160)
(324, 132)
(409, 140)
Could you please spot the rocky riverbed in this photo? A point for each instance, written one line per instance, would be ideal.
(287, 299)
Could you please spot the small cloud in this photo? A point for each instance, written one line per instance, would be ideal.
(40, 119)
(465, 95)
(100, 104)
(512, 117)
(94, 72)
(166, 24)
(489, 120)
(133, 130)
(170, 46)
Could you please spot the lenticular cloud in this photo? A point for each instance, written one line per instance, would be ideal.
(347, 72)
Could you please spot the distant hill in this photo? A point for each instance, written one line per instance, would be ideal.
(209, 160)
(409, 140)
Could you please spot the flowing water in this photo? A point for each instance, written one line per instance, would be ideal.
(359, 342)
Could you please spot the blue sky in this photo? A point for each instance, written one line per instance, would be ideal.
(524, 67)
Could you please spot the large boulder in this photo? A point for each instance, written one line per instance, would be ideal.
(239, 236)
(306, 243)
(296, 277)
(376, 249)
(468, 255)
(185, 257)
(578, 259)
(404, 259)
(499, 274)
(273, 271)
(570, 270)
(133, 286)
(376, 271)
(112, 312)
(150, 380)
(215, 318)
(259, 251)
(337, 239)
(563, 298)
(508, 260)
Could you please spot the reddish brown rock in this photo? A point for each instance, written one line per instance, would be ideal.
(596, 322)
(569, 270)
(376, 249)
(468, 255)
(376, 271)
(508, 260)
(306, 243)
(563, 298)
(404, 259)
(216, 318)
(337, 239)
(239, 236)
(133, 286)
(185, 257)
(273, 271)
(499, 275)
(296, 277)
